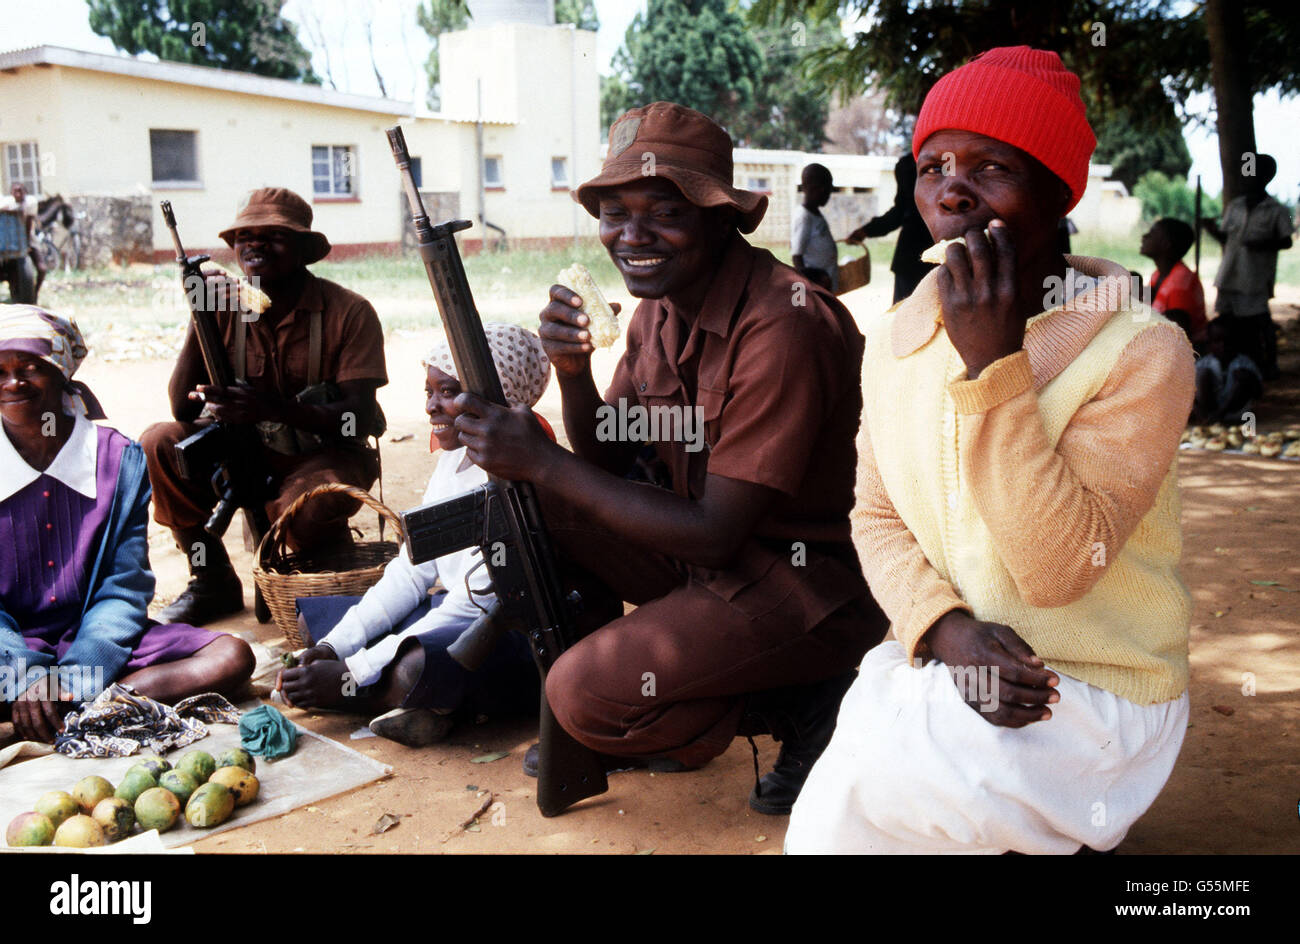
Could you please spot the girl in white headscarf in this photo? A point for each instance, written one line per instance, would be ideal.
(386, 652)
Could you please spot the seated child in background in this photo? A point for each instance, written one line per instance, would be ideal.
(1227, 381)
(385, 653)
(75, 582)
(811, 245)
(1018, 518)
(1175, 289)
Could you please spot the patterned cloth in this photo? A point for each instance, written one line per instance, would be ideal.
(55, 340)
(120, 722)
(517, 353)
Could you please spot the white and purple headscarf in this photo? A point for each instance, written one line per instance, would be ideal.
(57, 341)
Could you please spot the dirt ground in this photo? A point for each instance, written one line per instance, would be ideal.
(1234, 789)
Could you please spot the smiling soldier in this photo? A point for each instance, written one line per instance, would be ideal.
(751, 608)
(1017, 516)
(311, 361)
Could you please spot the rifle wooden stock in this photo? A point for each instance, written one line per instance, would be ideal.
(503, 518)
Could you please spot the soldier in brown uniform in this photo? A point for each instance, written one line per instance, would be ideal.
(312, 362)
(752, 612)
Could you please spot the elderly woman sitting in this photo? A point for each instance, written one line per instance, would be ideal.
(75, 579)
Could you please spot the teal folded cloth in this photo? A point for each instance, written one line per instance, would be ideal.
(266, 732)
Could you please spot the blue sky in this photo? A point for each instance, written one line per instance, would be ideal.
(400, 50)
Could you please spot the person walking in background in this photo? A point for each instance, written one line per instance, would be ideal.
(812, 247)
(913, 236)
(1254, 229)
(1175, 289)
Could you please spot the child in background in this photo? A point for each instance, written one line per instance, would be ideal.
(1017, 512)
(811, 245)
(391, 644)
(1175, 289)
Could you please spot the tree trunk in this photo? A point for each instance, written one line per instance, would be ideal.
(1225, 25)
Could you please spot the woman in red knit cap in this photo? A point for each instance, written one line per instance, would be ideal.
(1018, 517)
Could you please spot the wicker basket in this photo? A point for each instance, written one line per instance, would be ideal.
(283, 576)
(855, 274)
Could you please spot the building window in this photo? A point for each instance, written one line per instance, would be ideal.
(559, 173)
(333, 170)
(759, 184)
(492, 172)
(417, 172)
(22, 166)
(175, 156)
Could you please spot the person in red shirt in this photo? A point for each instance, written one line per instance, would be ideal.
(1176, 290)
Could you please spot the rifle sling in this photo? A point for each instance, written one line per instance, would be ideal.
(314, 365)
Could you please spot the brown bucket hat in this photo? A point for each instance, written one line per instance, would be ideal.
(664, 139)
(279, 206)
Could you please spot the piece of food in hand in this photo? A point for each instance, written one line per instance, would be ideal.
(603, 325)
(938, 253)
(253, 298)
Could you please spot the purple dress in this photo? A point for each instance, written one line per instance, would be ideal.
(44, 587)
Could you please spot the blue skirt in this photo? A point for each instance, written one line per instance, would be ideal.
(507, 685)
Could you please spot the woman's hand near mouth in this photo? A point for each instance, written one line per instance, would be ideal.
(977, 289)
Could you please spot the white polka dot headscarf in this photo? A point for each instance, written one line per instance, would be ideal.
(517, 353)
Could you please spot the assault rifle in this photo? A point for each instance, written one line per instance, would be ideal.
(503, 519)
(227, 455)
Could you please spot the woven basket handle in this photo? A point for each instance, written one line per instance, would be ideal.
(273, 543)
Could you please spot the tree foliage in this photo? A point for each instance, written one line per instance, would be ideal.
(1162, 195)
(581, 13)
(241, 35)
(701, 54)
(1156, 144)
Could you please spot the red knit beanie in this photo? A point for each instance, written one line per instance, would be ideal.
(1022, 96)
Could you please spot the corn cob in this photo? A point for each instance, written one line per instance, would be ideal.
(252, 297)
(603, 325)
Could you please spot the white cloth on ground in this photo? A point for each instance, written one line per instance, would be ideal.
(404, 586)
(912, 768)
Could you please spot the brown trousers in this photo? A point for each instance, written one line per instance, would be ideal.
(671, 677)
(179, 503)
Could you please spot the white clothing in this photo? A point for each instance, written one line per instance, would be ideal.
(810, 237)
(404, 586)
(75, 465)
(911, 768)
(1251, 271)
(29, 208)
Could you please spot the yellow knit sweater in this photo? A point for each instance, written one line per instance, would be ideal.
(1042, 495)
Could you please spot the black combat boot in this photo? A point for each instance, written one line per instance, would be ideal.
(802, 718)
(214, 589)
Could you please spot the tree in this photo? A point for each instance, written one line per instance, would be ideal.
(1137, 59)
(436, 17)
(693, 52)
(1162, 195)
(699, 53)
(788, 110)
(1132, 150)
(581, 13)
(240, 35)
